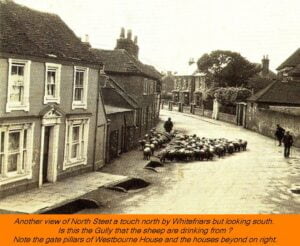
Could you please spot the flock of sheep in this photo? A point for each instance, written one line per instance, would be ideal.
(181, 147)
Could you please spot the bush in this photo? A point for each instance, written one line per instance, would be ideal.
(231, 95)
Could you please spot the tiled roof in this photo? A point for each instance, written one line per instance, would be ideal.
(279, 93)
(120, 61)
(291, 61)
(25, 31)
(115, 97)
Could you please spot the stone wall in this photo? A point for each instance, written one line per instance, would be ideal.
(264, 121)
(230, 118)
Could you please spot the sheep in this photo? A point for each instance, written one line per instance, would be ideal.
(147, 153)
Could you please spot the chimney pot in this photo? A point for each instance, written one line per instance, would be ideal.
(122, 34)
(129, 34)
(135, 39)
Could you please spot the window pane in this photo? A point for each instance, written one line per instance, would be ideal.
(24, 160)
(78, 94)
(1, 163)
(75, 151)
(79, 79)
(21, 70)
(51, 90)
(51, 77)
(25, 139)
(2, 142)
(12, 162)
(76, 134)
(16, 94)
(14, 141)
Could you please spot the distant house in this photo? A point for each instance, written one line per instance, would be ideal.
(141, 82)
(50, 107)
(186, 84)
(289, 70)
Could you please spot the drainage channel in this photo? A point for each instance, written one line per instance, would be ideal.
(153, 165)
(73, 206)
(133, 184)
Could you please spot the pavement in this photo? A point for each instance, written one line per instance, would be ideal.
(53, 194)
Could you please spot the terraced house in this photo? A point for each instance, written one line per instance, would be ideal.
(139, 81)
(52, 120)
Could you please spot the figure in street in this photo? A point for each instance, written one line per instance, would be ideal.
(287, 142)
(279, 134)
(168, 125)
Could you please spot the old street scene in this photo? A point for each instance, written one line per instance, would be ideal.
(144, 111)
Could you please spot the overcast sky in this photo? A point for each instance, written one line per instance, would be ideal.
(172, 31)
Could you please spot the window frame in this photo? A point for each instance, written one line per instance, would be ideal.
(57, 68)
(83, 103)
(13, 106)
(24, 169)
(83, 124)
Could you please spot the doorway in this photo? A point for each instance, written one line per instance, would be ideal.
(47, 153)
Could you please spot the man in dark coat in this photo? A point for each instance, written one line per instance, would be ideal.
(287, 142)
(168, 125)
(279, 134)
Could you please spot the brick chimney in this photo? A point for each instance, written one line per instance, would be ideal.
(127, 43)
(265, 65)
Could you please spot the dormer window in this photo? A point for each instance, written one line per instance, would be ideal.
(52, 83)
(18, 85)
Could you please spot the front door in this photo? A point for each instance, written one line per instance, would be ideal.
(46, 153)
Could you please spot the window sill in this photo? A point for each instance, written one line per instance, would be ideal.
(74, 164)
(79, 105)
(51, 100)
(14, 107)
(16, 178)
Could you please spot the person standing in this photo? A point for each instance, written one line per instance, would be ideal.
(279, 134)
(287, 142)
(168, 125)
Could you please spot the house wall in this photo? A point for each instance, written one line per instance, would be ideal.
(264, 121)
(134, 86)
(116, 124)
(36, 100)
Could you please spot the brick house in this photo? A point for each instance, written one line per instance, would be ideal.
(50, 107)
(140, 81)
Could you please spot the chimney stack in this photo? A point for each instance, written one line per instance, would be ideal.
(127, 43)
(86, 40)
(265, 65)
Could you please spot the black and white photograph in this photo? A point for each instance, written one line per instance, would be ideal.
(149, 107)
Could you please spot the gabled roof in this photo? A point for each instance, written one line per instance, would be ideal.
(291, 61)
(279, 93)
(25, 31)
(120, 61)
